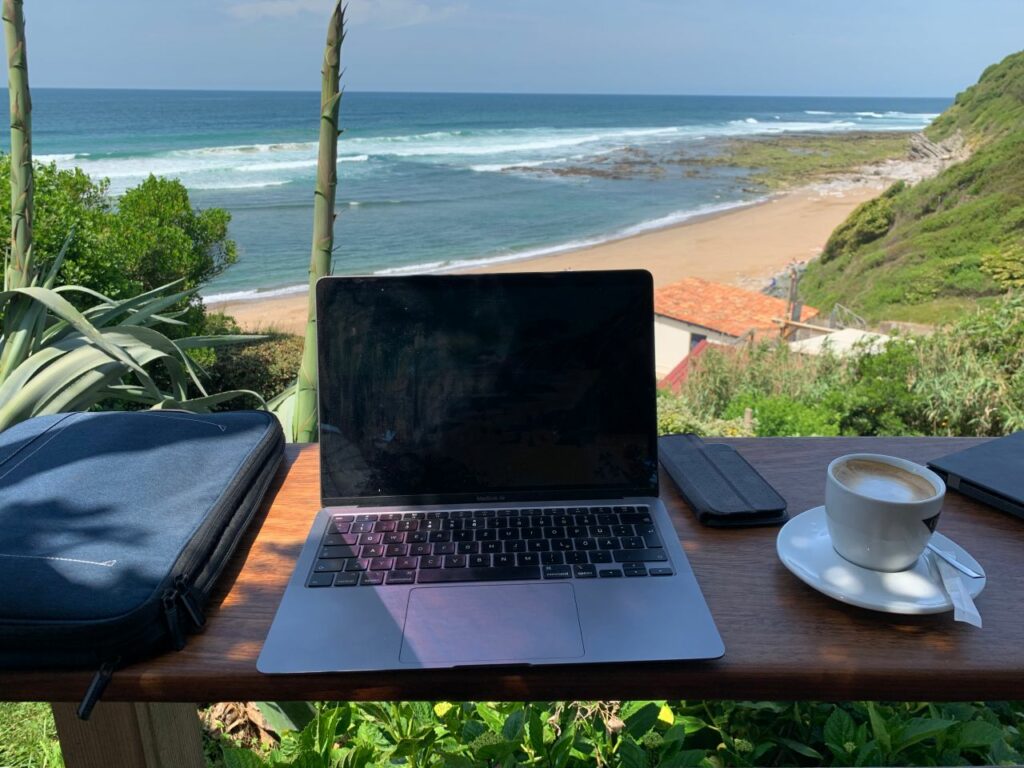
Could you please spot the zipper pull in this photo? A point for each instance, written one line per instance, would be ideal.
(173, 620)
(188, 601)
(96, 687)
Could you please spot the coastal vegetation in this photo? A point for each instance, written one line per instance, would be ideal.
(148, 237)
(788, 160)
(770, 162)
(929, 252)
(967, 379)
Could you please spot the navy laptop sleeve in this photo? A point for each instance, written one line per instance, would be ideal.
(115, 526)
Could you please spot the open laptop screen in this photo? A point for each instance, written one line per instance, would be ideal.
(446, 388)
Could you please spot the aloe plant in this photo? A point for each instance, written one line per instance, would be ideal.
(55, 357)
(304, 409)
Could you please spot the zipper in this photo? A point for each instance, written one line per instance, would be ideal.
(172, 619)
(186, 596)
(241, 487)
(238, 489)
(99, 683)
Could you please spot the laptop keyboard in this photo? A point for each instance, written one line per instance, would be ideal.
(371, 549)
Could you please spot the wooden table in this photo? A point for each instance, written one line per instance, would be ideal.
(783, 640)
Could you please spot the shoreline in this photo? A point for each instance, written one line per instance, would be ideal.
(745, 245)
(489, 263)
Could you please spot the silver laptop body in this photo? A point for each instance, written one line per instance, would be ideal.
(489, 476)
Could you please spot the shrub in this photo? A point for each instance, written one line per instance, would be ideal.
(265, 366)
(783, 416)
(868, 222)
(964, 380)
(150, 237)
(675, 416)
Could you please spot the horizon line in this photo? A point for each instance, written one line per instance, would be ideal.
(482, 93)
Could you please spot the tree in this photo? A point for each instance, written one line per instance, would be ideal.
(149, 237)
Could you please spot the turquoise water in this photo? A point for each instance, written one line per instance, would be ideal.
(428, 181)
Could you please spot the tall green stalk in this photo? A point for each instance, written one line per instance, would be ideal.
(21, 317)
(305, 416)
(22, 187)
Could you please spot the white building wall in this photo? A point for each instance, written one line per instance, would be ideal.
(671, 344)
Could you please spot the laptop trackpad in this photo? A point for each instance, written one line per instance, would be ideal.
(491, 623)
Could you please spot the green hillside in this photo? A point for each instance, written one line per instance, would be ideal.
(926, 253)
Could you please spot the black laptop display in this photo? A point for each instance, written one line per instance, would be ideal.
(448, 390)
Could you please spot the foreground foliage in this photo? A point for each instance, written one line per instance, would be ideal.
(967, 379)
(662, 734)
(645, 733)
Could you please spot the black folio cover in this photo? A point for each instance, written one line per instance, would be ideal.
(992, 473)
(721, 487)
(115, 526)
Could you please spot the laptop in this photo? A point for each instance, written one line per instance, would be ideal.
(489, 479)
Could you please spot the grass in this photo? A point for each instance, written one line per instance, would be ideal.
(28, 737)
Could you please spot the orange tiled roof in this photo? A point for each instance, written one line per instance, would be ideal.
(723, 308)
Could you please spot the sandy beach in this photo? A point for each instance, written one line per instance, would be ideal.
(744, 246)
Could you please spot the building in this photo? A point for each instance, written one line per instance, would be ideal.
(841, 343)
(694, 310)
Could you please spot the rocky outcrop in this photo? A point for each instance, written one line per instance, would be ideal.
(951, 150)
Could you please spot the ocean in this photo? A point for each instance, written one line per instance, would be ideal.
(432, 181)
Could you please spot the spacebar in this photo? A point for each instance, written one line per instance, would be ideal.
(445, 575)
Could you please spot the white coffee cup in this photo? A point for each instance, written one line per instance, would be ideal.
(881, 510)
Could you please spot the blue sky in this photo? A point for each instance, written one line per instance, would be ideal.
(768, 47)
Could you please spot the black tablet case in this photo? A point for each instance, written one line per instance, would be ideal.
(721, 487)
(114, 528)
(992, 473)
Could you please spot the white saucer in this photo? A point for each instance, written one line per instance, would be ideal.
(805, 549)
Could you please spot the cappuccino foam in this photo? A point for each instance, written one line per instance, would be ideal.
(880, 480)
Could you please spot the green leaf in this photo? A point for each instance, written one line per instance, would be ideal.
(691, 724)
(799, 748)
(868, 754)
(676, 733)
(204, 404)
(560, 751)
(490, 716)
(62, 309)
(688, 758)
(642, 720)
(631, 754)
(442, 708)
(920, 728)
(535, 729)
(407, 747)
(235, 757)
(878, 728)
(284, 716)
(497, 751)
(839, 730)
(978, 733)
(201, 342)
(512, 730)
(51, 277)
